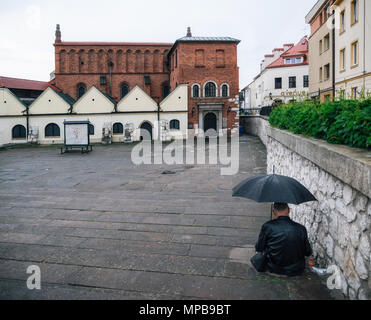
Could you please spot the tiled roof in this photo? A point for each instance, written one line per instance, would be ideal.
(15, 83)
(300, 50)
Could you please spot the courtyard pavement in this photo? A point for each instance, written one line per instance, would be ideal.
(101, 228)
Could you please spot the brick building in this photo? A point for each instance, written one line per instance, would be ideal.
(207, 65)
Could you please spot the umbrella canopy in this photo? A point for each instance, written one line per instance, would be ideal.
(273, 188)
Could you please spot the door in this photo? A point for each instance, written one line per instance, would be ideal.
(210, 122)
(145, 131)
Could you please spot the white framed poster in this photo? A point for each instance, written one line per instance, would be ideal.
(76, 134)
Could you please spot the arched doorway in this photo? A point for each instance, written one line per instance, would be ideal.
(210, 122)
(143, 134)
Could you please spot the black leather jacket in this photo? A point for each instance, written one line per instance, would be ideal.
(287, 245)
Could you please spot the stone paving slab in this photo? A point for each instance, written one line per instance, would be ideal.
(101, 228)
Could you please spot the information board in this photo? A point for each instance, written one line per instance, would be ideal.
(77, 134)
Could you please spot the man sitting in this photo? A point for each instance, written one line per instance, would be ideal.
(285, 242)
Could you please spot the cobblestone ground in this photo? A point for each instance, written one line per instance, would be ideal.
(101, 228)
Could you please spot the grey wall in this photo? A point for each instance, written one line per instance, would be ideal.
(340, 178)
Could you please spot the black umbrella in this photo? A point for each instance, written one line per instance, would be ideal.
(273, 188)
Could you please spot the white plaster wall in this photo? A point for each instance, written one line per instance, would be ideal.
(49, 102)
(6, 126)
(137, 100)
(93, 101)
(183, 119)
(265, 84)
(177, 100)
(9, 104)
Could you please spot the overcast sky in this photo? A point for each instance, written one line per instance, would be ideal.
(27, 27)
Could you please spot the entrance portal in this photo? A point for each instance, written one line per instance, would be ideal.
(146, 131)
(210, 122)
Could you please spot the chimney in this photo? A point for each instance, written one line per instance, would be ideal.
(189, 33)
(58, 34)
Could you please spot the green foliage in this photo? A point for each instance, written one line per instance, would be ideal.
(341, 122)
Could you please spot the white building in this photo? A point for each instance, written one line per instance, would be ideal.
(284, 76)
(44, 118)
(353, 48)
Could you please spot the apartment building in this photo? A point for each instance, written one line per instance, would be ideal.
(321, 51)
(353, 48)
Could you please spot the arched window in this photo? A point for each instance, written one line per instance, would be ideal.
(225, 90)
(165, 90)
(91, 130)
(196, 91)
(124, 90)
(81, 89)
(174, 125)
(118, 128)
(52, 130)
(210, 90)
(19, 132)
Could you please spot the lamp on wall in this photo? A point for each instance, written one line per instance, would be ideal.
(270, 96)
(229, 109)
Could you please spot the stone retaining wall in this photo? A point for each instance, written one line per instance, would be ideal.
(340, 178)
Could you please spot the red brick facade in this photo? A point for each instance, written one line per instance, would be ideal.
(164, 65)
(85, 63)
(201, 62)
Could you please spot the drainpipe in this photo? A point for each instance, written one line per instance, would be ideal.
(28, 122)
(333, 55)
(158, 122)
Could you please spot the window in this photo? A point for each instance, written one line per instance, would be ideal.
(306, 81)
(294, 60)
(278, 83)
(354, 54)
(52, 130)
(342, 59)
(165, 90)
(320, 74)
(210, 90)
(225, 91)
(174, 125)
(292, 82)
(124, 90)
(354, 12)
(354, 93)
(327, 42)
(342, 94)
(200, 58)
(327, 72)
(147, 80)
(176, 58)
(81, 89)
(118, 128)
(91, 130)
(19, 132)
(320, 47)
(196, 91)
(220, 59)
(342, 21)
(103, 80)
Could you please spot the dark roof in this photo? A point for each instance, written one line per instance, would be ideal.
(109, 97)
(66, 98)
(208, 39)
